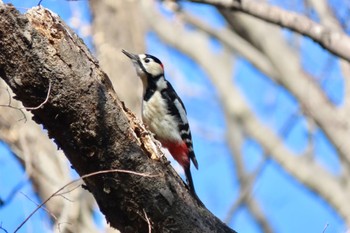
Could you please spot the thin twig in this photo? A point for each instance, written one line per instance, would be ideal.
(45, 101)
(1, 228)
(325, 228)
(27, 108)
(9, 105)
(19, 109)
(246, 189)
(45, 209)
(68, 191)
(79, 179)
(66, 198)
(148, 222)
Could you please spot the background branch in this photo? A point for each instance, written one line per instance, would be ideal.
(335, 41)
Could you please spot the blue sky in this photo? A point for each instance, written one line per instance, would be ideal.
(287, 204)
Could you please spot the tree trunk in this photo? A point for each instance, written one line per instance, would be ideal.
(41, 57)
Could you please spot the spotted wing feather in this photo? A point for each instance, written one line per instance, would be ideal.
(178, 109)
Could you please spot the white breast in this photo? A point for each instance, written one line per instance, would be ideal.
(155, 116)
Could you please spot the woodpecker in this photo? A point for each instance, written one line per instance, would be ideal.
(164, 113)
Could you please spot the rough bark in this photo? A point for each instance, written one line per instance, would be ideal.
(87, 121)
(110, 39)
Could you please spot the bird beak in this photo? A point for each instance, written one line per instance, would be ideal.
(132, 56)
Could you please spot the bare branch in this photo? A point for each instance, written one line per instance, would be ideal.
(237, 44)
(148, 222)
(44, 102)
(334, 41)
(3, 229)
(27, 108)
(9, 104)
(329, 20)
(325, 14)
(42, 207)
(325, 228)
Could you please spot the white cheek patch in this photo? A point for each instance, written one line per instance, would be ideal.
(151, 67)
(154, 69)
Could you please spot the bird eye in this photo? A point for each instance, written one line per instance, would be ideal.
(147, 60)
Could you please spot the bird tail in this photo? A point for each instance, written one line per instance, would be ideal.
(191, 186)
(189, 180)
(193, 158)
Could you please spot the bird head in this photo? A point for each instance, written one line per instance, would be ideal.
(147, 66)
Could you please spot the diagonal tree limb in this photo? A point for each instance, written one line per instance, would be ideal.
(334, 41)
(90, 124)
(328, 19)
